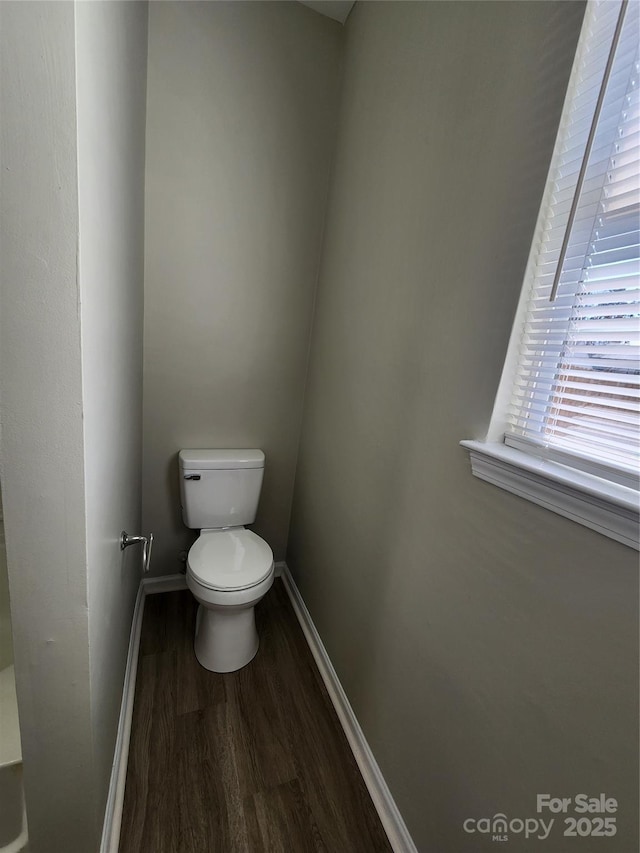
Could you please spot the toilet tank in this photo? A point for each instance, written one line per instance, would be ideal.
(220, 488)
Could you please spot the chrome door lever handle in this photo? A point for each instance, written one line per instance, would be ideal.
(147, 541)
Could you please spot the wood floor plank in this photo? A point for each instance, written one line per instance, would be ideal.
(196, 688)
(325, 765)
(253, 761)
(279, 821)
(258, 722)
(205, 748)
(150, 755)
(159, 828)
(154, 637)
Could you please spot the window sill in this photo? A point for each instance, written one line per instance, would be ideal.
(607, 507)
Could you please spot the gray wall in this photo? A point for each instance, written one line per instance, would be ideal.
(71, 225)
(42, 435)
(242, 101)
(111, 56)
(488, 646)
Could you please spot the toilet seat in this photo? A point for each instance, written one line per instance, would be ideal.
(228, 560)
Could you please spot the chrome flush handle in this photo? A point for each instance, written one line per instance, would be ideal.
(126, 540)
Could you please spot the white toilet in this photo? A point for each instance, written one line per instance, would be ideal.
(229, 569)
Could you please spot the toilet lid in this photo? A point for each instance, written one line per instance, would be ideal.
(229, 559)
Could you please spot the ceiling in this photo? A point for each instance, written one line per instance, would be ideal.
(336, 9)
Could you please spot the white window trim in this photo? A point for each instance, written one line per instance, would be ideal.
(590, 500)
(600, 504)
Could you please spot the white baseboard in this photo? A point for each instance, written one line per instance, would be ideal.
(115, 798)
(390, 817)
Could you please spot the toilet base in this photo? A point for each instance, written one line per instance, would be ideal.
(226, 637)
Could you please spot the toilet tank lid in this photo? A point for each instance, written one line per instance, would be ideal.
(216, 459)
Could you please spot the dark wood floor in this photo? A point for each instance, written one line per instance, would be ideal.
(245, 762)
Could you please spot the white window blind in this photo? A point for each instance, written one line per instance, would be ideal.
(576, 392)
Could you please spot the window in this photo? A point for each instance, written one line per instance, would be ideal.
(569, 406)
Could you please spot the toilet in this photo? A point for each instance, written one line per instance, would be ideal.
(229, 568)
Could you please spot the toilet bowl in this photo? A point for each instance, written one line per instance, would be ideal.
(228, 571)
